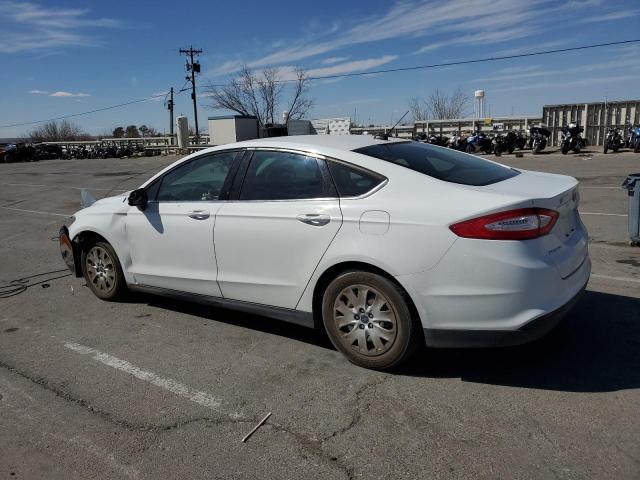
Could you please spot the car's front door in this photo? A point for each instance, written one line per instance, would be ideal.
(171, 241)
(271, 235)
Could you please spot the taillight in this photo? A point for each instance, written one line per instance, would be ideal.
(521, 224)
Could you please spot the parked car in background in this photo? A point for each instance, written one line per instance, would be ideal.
(385, 244)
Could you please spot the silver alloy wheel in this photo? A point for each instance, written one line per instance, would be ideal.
(365, 320)
(101, 270)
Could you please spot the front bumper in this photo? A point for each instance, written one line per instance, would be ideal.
(67, 250)
(535, 329)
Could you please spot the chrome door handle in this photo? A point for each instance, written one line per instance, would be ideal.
(199, 214)
(315, 219)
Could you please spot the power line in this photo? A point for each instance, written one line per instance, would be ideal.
(84, 113)
(357, 74)
(459, 62)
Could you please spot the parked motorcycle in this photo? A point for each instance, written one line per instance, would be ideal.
(479, 142)
(521, 139)
(538, 138)
(571, 139)
(457, 142)
(440, 140)
(634, 138)
(613, 141)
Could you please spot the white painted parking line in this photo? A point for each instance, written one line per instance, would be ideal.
(604, 214)
(38, 185)
(201, 398)
(617, 279)
(604, 187)
(37, 211)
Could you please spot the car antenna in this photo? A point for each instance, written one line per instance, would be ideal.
(385, 136)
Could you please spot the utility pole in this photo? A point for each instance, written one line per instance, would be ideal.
(170, 107)
(194, 68)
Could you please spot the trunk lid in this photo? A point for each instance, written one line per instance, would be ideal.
(566, 245)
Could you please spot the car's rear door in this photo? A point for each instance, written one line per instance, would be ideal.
(273, 231)
(171, 241)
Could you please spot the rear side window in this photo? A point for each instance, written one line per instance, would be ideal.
(282, 176)
(441, 163)
(351, 181)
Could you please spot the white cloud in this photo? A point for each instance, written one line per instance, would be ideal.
(33, 27)
(332, 60)
(482, 38)
(351, 67)
(608, 17)
(39, 92)
(68, 94)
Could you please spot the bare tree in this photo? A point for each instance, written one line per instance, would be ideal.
(261, 95)
(57, 132)
(439, 105)
(418, 108)
(442, 105)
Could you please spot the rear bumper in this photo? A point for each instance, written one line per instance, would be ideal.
(535, 329)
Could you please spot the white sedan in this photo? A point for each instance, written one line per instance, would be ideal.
(386, 244)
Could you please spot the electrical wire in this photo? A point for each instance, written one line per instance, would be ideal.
(71, 115)
(356, 74)
(453, 63)
(18, 286)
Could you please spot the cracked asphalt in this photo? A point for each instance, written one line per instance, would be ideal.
(154, 388)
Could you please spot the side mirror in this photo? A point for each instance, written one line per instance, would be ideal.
(138, 198)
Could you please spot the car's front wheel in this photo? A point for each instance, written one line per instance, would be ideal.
(102, 271)
(369, 320)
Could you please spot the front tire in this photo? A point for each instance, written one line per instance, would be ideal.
(368, 318)
(102, 271)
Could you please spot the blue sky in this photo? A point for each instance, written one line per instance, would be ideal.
(63, 57)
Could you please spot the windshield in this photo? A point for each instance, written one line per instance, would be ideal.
(441, 163)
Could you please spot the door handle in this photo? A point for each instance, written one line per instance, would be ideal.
(315, 219)
(199, 214)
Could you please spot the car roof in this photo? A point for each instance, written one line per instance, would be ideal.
(313, 142)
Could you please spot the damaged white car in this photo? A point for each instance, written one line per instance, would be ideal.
(386, 244)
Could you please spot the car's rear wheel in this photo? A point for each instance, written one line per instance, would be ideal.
(368, 318)
(102, 271)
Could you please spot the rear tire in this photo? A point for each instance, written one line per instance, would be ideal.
(368, 318)
(606, 148)
(102, 271)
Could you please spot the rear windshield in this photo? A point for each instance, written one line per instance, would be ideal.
(441, 163)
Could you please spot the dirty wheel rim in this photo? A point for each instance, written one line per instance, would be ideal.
(365, 320)
(101, 270)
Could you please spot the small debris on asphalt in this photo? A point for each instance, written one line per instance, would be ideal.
(45, 285)
(244, 440)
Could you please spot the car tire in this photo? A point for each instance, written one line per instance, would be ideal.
(102, 271)
(368, 318)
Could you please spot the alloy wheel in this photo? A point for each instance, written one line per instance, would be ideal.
(365, 320)
(101, 270)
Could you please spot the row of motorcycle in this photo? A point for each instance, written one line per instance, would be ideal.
(497, 143)
(25, 152)
(627, 138)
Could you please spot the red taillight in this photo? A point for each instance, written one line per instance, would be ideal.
(521, 224)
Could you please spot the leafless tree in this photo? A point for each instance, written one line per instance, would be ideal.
(418, 109)
(57, 132)
(261, 95)
(440, 105)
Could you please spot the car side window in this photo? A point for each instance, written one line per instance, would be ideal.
(198, 180)
(352, 181)
(282, 176)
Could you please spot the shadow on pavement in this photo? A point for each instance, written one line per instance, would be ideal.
(595, 349)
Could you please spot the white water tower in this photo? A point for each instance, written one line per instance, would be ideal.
(479, 103)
